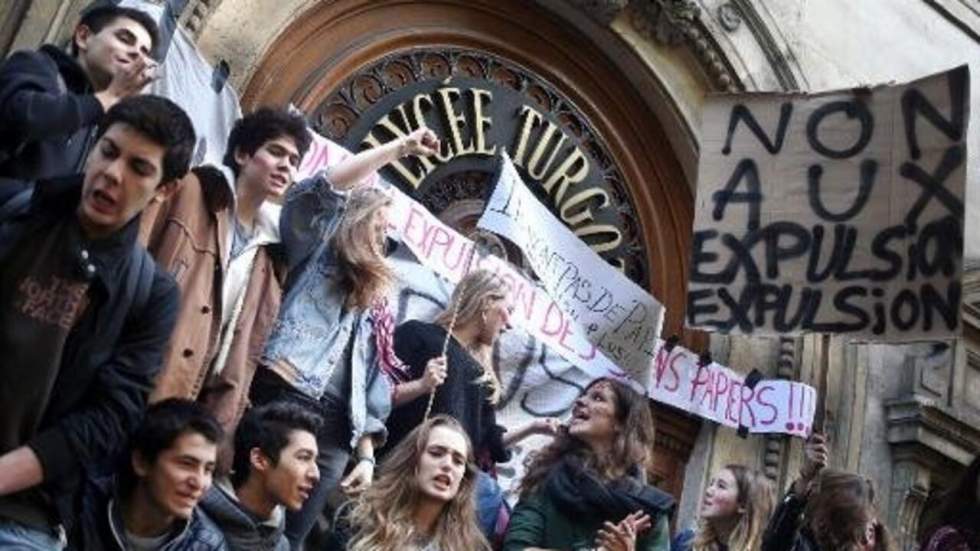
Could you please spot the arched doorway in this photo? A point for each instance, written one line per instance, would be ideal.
(503, 74)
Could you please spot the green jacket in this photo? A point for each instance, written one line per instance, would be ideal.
(537, 522)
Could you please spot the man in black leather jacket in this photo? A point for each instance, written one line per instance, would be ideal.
(153, 501)
(51, 100)
(84, 313)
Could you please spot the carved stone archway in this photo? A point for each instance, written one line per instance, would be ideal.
(325, 46)
(351, 64)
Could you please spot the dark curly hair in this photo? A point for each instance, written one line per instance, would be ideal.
(98, 17)
(163, 423)
(161, 121)
(631, 446)
(264, 124)
(268, 428)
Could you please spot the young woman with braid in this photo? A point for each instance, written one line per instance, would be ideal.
(462, 378)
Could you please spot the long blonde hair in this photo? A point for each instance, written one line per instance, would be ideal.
(364, 275)
(383, 517)
(755, 503)
(471, 298)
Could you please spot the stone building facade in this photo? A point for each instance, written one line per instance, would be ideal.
(606, 97)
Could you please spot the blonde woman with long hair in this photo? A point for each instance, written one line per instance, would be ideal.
(734, 513)
(464, 381)
(423, 499)
(321, 353)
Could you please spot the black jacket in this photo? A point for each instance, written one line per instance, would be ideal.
(113, 354)
(48, 115)
(242, 531)
(100, 525)
(785, 531)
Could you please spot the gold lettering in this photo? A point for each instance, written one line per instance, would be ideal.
(531, 118)
(481, 123)
(454, 120)
(390, 126)
(563, 176)
(410, 177)
(580, 198)
(601, 229)
(534, 162)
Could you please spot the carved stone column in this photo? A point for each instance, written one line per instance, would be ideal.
(776, 444)
(909, 493)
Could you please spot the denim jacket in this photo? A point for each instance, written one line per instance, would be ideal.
(314, 328)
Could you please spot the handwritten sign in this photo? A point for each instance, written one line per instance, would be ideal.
(615, 314)
(834, 213)
(559, 346)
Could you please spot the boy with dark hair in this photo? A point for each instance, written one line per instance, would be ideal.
(274, 468)
(219, 236)
(84, 314)
(152, 505)
(50, 101)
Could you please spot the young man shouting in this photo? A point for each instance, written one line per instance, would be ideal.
(84, 314)
(274, 469)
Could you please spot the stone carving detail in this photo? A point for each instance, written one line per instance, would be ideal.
(729, 17)
(603, 11)
(909, 494)
(775, 450)
(336, 115)
(933, 369)
(673, 22)
(195, 15)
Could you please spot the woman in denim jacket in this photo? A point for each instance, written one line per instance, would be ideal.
(321, 352)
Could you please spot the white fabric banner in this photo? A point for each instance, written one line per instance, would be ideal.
(546, 362)
(190, 82)
(673, 377)
(611, 311)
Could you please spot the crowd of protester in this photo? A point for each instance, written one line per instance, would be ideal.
(189, 365)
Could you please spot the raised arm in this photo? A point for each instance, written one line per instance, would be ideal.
(353, 171)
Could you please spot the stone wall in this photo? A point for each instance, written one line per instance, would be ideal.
(900, 414)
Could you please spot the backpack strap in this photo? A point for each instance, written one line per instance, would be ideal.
(17, 204)
(139, 281)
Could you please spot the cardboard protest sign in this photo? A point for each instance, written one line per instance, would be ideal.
(834, 213)
(613, 313)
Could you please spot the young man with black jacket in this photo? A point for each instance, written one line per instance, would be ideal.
(51, 101)
(152, 502)
(84, 315)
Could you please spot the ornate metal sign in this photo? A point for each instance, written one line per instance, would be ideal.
(479, 104)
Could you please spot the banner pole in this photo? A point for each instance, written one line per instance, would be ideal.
(823, 381)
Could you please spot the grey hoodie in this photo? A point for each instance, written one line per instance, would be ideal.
(244, 532)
